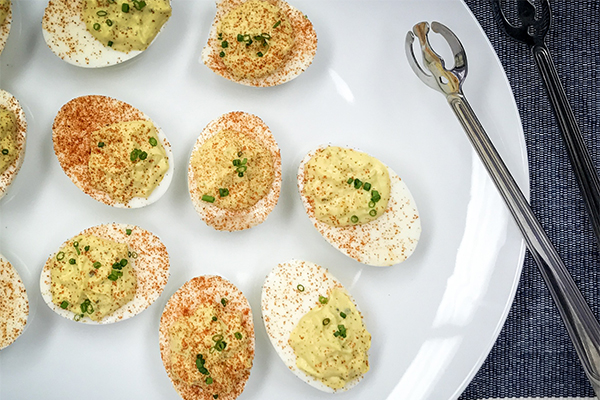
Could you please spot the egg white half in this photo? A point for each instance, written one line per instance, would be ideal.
(5, 29)
(66, 35)
(73, 125)
(14, 312)
(9, 102)
(151, 267)
(385, 241)
(301, 57)
(235, 220)
(283, 305)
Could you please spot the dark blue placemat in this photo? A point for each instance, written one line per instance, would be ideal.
(533, 356)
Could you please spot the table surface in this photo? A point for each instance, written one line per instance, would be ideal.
(533, 356)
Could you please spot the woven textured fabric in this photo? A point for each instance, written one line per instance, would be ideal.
(533, 356)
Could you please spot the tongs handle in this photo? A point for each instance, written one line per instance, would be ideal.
(584, 168)
(582, 326)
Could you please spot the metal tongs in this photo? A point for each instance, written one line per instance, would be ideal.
(532, 32)
(582, 326)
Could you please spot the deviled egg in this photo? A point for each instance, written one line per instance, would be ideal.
(13, 134)
(259, 42)
(360, 205)
(206, 338)
(105, 274)
(14, 304)
(112, 151)
(315, 326)
(5, 21)
(234, 173)
(100, 33)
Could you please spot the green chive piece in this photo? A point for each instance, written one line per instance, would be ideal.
(343, 315)
(128, 231)
(96, 265)
(4, 151)
(60, 256)
(244, 161)
(123, 262)
(323, 299)
(357, 183)
(215, 396)
(200, 364)
(209, 380)
(241, 174)
(110, 43)
(326, 321)
(240, 153)
(240, 37)
(224, 301)
(217, 338)
(78, 317)
(276, 24)
(153, 142)
(336, 334)
(241, 168)
(64, 304)
(223, 192)
(354, 219)
(96, 26)
(367, 186)
(214, 318)
(300, 288)
(202, 370)
(101, 13)
(143, 155)
(139, 4)
(134, 154)
(236, 162)
(224, 44)
(371, 204)
(87, 248)
(113, 277)
(238, 336)
(125, 7)
(72, 261)
(100, 144)
(349, 181)
(220, 36)
(259, 54)
(375, 196)
(109, 22)
(373, 213)
(222, 54)
(207, 198)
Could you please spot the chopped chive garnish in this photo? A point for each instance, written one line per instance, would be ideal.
(87, 248)
(109, 22)
(153, 142)
(64, 304)
(215, 396)
(96, 26)
(367, 186)
(125, 7)
(214, 318)
(139, 4)
(357, 183)
(349, 181)
(224, 301)
(375, 196)
(96, 265)
(128, 231)
(236, 162)
(207, 198)
(223, 192)
(4, 151)
(72, 261)
(224, 44)
(259, 54)
(123, 262)
(326, 321)
(143, 155)
(238, 336)
(101, 13)
(240, 37)
(241, 174)
(110, 43)
(354, 219)
(372, 213)
(276, 24)
(60, 256)
(78, 317)
(300, 288)
(209, 380)
(371, 204)
(343, 315)
(241, 168)
(222, 54)
(113, 277)
(323, 300)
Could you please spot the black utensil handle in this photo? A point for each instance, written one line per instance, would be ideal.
(585, 171)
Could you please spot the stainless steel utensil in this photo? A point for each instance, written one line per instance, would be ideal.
(581, 323)
(532, 32)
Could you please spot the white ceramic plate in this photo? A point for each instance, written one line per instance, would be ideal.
(433, 318)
